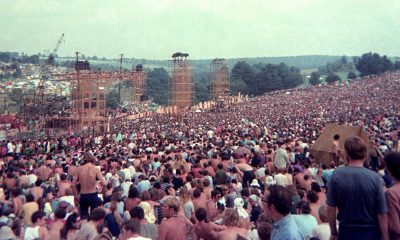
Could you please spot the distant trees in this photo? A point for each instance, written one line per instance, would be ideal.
(261, 78)
(351, 75)
(242, 75)
(332, 78)
(23, 58)
(396, 65)
(157, 85)
(339, 65)
(373, 63)
(112, 99)
(315, 78)
(4, 57)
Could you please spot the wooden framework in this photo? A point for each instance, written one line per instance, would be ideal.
(88, 96)
(181, 81)
(139, 85)
(220, 73)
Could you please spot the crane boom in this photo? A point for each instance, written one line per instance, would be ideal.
(60, 40)
(52, 55)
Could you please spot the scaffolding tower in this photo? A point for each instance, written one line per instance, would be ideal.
(181, 82)
(220, 73)
(139, 85)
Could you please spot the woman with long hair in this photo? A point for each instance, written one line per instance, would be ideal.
(71, 227)
(187, 207)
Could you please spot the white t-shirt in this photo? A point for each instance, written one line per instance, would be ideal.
(322, 232)
(139, 238)
(281, 179)
(32, 179)
(10, 147)
(68, 199)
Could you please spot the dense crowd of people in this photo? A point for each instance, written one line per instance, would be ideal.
(239, 172)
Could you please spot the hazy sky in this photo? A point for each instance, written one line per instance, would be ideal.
(155, 29)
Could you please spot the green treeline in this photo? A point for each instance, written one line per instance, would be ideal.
(366, 64)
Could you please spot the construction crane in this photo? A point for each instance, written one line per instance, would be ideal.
(51, 58)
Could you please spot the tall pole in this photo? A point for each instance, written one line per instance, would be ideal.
(119, 84)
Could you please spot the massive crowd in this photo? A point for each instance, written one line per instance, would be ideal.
(240, 172)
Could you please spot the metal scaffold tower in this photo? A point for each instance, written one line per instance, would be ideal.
(220, 73)
(139, 85)
(181, 82)
(88, 95)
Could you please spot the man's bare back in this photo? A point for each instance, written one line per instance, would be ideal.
(88, 175)
(232, 233)
(173, 228)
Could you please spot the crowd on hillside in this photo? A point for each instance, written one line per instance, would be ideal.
(239, 172)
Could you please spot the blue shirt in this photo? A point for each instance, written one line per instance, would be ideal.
(286, 229)
(144, 185)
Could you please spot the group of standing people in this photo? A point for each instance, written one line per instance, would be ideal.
(244, 172)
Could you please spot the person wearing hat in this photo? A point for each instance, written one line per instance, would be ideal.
(269, 181)
(256, 209)
(244, 220)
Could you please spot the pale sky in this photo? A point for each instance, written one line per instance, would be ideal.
(154, 29)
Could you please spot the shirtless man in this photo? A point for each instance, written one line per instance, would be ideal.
(299, 178)
(63, 185)
(248, 173)
(335, 148)
(207, 189)
(87, 176)
(231, 221)
(37, 190)
(212, 210)
(199, 199)
(174, 227)
(215, 161)
(44, 172)
(204, 229)
(58, 223)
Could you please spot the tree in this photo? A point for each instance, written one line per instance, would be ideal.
(238, 85)
(112, 99)
(315, 78)
(373, 63)
(332, 78)
(202, 84)
(343, 60)
(351, 75)
(157, 85)
(4, 57)
(244, 72)
(396, 65)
